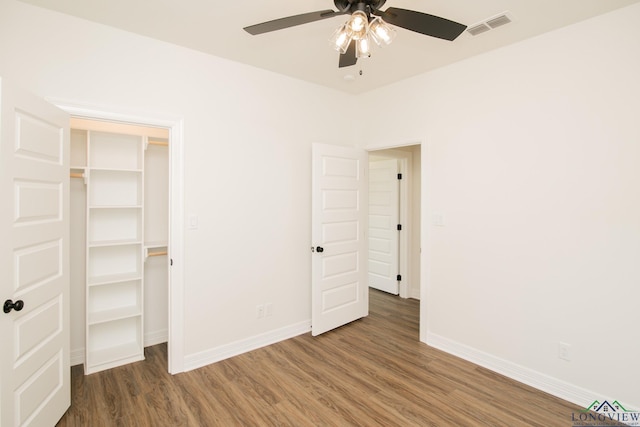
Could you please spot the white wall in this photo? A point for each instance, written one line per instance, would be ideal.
(247, 135)
(533, 156)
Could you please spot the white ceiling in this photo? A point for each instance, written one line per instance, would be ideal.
(303, 52)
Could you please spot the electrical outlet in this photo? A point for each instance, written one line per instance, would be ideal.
(268, 309)
(260, 311)
(564, 351)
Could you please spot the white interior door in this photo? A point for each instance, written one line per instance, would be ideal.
(34, 261)
(339, 224)
(384, 193)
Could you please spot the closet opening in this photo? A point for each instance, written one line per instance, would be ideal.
(120, 241)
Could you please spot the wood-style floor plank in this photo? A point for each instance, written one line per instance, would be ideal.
(372, 372)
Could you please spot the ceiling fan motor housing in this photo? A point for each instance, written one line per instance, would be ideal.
(350, 6)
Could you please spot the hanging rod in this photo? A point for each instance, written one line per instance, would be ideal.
(157, 253)
(76, 175)
(156, 142)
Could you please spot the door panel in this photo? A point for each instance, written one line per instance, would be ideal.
(384, 191)
(34, 183)
(339, 201)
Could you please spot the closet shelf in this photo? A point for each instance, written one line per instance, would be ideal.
(116, 170)
(114, 314)
(115, 278)
(115, 207)
(155, 245)
(103, 243)
(114, 356)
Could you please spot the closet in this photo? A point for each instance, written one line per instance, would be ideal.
(119, 242)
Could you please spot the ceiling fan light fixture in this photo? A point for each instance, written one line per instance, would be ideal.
(381, 32)
(366, 26)
(341, 39)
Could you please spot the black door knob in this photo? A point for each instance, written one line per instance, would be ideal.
(10, 305)
(319, 249)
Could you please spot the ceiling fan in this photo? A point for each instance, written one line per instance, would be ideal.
(367, 24)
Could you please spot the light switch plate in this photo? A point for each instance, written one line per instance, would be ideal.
(438, 219)
(193, 222)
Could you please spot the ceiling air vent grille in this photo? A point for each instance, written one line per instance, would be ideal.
(478, 29)
(490, 24)
(498, 21)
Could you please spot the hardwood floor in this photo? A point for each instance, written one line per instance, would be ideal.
(372, 372)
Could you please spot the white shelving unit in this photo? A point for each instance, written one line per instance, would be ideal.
(115, 250)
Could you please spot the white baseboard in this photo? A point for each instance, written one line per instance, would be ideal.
(226, 351)
(76, 356)
(551, 385)
(156, 337)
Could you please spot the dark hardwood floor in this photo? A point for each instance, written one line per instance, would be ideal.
(372, 372)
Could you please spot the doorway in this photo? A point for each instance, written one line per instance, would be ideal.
(339, 186)
(407, 249)
(173, 295)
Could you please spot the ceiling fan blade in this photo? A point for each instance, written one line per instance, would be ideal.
(290, 21)
(348, 58)
(423, 23)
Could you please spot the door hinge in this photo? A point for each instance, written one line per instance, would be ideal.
(399, 227)
(399, 277)
(399, 176)
(171, 261)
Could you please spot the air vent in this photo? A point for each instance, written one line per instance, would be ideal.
(478, 29)
(498, 21)
(490, 24)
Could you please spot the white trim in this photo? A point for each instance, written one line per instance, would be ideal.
(176, 214)
(175, 351)
(226, 351)
(406, 238)
(150, 338)
(551, 385)
(156, 337)
(414, 293)
(76, 357)
(425, 237)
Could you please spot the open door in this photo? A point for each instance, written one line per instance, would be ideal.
(339, 292)
(34, 260)
(384, 200)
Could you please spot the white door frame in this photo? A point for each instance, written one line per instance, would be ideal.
(406, 220)
(176, 213)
